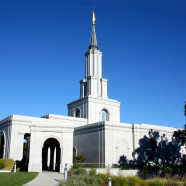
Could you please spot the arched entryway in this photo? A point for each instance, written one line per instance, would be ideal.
(26, 152)
(2, 145)
(51, 155)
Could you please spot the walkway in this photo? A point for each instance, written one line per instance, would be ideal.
(46, 178)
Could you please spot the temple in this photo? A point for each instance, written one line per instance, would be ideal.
(92, 127)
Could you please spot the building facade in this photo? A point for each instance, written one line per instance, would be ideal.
(92, 127)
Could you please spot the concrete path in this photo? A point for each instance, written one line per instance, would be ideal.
(46, 178)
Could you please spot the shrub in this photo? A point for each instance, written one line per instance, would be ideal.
(118, 180)
(79, 171)
(122, 180)
(103, 177)
(155, 182)
(75, 166)
(92, 172)
(6, 164)
(135, 180)
(129, 180)
(83, 180)
(80, 158)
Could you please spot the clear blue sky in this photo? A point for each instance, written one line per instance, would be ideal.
(42, 46)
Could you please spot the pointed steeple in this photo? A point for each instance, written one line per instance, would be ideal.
(93, 40)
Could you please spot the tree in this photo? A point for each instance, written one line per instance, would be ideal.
(79, 158)
(148, 148)
(173, 154)
(156, 149)
(162, 150)
(181, 134)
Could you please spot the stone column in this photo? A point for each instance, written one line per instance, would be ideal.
(54, 160)
(48, 158)
(51, 158)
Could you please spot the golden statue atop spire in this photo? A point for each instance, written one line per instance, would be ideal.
(93, 17)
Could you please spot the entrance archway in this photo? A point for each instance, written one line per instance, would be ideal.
(51, 155)
(2, 145)
(26, 152)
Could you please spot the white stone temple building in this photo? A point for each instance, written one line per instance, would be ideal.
(92, 127)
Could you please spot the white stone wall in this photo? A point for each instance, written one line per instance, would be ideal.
(104, 88)
(37, 141)
(140, 130)
(119, 139)
(96, 105)
(118, 142)
(40, 129)
(91, 108)
(116, 171)
(101, 142)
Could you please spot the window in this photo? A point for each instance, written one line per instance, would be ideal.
(77, 113)
(85, 89)
(104, 114)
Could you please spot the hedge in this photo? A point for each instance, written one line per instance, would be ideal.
(6, 164)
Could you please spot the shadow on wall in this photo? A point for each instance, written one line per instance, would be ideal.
(154, 149)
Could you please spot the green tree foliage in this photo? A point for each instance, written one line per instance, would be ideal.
(156, 149)
(181, 134)
(79, 158)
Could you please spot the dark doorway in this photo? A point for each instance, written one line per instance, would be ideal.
(51, 155)
(26, 152)
(2, 144)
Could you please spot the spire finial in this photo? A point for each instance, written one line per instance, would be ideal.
(93, 17)
(93, 40)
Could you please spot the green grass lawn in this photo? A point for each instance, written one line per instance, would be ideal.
(18, 178)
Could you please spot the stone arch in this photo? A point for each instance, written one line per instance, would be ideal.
(2, 144)
(51, 136)
(77, 112)
(51, 155)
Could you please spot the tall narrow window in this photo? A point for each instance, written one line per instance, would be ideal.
(77, 113)
(104, 114)
(85, 89)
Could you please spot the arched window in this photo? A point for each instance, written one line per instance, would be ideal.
(104, 115)
(77, 113)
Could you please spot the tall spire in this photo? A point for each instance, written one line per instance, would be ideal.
(93, 40)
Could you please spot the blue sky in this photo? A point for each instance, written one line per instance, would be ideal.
(42, 47)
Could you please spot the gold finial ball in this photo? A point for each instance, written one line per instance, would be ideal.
(93, 18)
